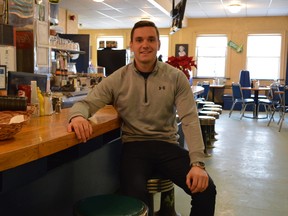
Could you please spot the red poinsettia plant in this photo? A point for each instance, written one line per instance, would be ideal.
(184, 63)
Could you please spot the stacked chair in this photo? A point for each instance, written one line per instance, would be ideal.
(272, 102)
(282, 108)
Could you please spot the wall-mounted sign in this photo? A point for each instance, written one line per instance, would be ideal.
(236, 47)
(2, 76)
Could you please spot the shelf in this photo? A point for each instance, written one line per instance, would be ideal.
(68, 51)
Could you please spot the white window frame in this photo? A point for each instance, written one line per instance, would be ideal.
(212, 65)
(263, 57)
(164, 47)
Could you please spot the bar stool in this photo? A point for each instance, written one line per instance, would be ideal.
(209, 113)
(207, 123)
(213, 106)
(213, 114)
(219, 110)
(110, 204)
(200, 104)
(167, 204)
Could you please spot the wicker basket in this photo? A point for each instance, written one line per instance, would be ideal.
(7, 131)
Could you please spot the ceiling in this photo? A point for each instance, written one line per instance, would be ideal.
(119, 14)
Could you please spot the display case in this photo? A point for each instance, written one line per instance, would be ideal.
(30, 21)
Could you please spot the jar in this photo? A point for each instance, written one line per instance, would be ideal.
(58, 106)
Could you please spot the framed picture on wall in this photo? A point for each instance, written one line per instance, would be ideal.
(181, 50)
(2, 76)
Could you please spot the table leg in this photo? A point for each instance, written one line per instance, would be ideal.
(256, 95)
(213, 93)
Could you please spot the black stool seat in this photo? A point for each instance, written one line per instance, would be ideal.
(110, 204)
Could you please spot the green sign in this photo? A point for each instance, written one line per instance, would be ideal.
(236, 47)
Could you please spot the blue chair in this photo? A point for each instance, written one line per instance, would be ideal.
(203, 97)
(282, 108)
(245, 81)
(205, 93)
(272, 103)
(237, 97)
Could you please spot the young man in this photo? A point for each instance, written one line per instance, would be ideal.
(146, 94)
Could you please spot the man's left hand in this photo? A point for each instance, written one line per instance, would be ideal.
(197, 179)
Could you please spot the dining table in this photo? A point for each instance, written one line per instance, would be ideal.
(197, 90)
(213, 87)
(256, 91)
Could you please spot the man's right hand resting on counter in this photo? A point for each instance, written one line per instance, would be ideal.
(81, 127)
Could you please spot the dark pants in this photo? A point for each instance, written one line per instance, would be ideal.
(141, 160)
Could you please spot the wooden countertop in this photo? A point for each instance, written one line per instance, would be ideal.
(46, 135)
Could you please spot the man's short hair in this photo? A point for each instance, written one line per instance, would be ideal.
(143, 24)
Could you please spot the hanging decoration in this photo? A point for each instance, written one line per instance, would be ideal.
(236, 47)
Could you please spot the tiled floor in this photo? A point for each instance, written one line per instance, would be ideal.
(249, 167)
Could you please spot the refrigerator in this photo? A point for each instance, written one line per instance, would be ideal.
(111, 59)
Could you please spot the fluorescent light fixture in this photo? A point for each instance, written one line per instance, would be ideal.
(234, 8)
(160, 6)
(98, 0)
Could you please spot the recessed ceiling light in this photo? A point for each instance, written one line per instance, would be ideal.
(145, 18)
(234, 8)
(98, 0)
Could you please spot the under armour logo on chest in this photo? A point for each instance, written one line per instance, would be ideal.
(161, 87)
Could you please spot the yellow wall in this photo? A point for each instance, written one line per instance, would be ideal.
(236, 29)
(125, 33)
(68, 25)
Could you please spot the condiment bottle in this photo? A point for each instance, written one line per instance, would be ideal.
(34, 97)
(41, 101)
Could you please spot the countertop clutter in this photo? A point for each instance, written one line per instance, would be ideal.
(46, 135)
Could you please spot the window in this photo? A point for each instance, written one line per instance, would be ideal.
(211, 55)
(164, 39)
(263, 56)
